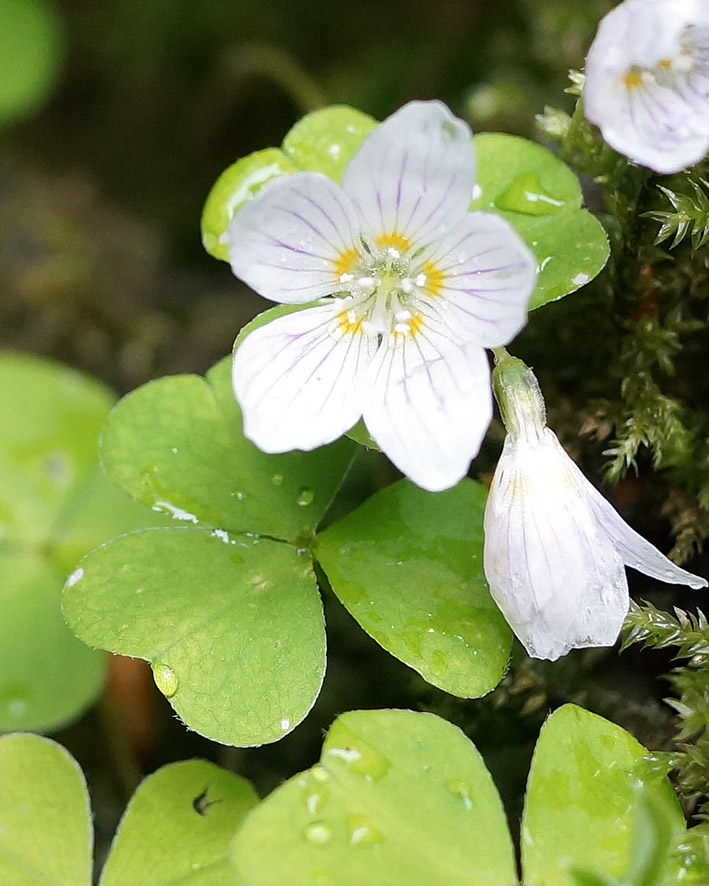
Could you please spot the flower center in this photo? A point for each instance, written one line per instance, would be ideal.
(381, 284)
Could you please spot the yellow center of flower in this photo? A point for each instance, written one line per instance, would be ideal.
(345, 262)
(633, 79)
(393, 241)
(382, 284)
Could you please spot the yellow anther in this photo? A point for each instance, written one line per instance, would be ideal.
(345, 262)
(348, 322)
(394, 240)
(633, 79)
(434, 279)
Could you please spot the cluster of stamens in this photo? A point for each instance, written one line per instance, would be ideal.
(380, 290)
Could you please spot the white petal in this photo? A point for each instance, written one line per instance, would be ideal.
(428, 404)
(297, 379)
(413, 176)
(482, 276)
(662, 123)
(556, 577)
(294, 239)
(637, 551)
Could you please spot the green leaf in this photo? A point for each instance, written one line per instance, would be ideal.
(323, 141)
(582, 798)
(46, 675)
(235, 186)
(327, 139)
(407, 565)
(50, 418)
(398, 797)
(98, 511)
(45, 825)
(176, 444)
(32, 50)
(178, 827)
(232, 625)
(55, 505)
(541, 198)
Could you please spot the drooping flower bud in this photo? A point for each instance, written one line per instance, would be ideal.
(555, 549)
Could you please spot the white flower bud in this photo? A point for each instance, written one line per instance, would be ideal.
(555, 549)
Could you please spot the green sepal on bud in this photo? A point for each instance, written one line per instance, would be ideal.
(519, 397)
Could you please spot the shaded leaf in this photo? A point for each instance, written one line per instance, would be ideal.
(407, 565)
(176, 444)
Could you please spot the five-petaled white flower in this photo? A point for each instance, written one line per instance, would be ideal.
(555, 549)
(411, 289)
(647, 82)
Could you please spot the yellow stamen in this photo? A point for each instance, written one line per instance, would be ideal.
(393, 240)
(665, 64)
(633, 79)
(348, 322)
(345, 262)
(434, 279)
(409, 328)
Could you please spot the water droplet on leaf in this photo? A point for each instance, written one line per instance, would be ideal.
(319, 833)
(461, 790)
(305, 497)
(527, 195)
(361, 831)
(165, 679)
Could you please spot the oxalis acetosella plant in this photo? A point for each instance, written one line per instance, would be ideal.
(406, 288)
(403, 258)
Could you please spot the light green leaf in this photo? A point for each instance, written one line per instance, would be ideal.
(398, 798)
(326, 140)
(45, 825)
(55, 505)
(176, 444)
(47, 676)
(541, 198)
(582, 799)
(232, 625)
(50, 418)
(178, 827)
(98, 511)
(31, 49)
(323, 141)
(407, 564)
(235, 186)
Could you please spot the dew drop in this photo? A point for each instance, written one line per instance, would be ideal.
(165, 679)
(305, 497)
(277, 479)
(315, 797)
(361, 831)
(75, 576)
(526, 195)
(361, 759)
(460, 790)
(238, 495)
(320, 773)
(319, 833)
(14, 701)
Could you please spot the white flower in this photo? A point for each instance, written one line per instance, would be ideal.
(412, 288)
(555, 549)
(647, 82)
